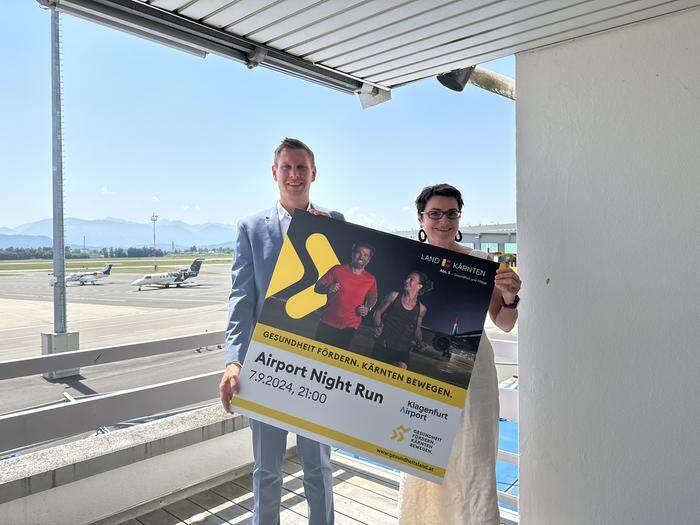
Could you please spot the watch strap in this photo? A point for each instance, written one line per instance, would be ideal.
(511, 306)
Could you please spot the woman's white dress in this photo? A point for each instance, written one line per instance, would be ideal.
(467, 495)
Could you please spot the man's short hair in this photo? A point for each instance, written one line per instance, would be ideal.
(288, 143)
(362, 244)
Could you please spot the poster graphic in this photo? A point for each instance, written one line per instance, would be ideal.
(367, 341)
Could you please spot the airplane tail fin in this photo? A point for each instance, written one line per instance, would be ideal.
(195, 266)
(107, 269)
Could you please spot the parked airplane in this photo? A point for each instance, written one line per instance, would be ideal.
(467, 342)
(165, 279)
(90, 277)
(460, 342)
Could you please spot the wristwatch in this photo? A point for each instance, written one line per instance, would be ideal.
(511, 306)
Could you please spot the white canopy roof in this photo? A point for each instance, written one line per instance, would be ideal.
(380, 44)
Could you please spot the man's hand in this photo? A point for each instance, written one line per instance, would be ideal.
(362, 310)
(229, 385)
(508, 282)
(333, 288)
(378, 330)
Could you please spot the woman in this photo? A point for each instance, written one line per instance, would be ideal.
(468, 493)
(398, 319)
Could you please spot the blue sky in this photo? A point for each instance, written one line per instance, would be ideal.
(149, 128)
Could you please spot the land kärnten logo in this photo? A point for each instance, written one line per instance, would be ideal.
(290, 270)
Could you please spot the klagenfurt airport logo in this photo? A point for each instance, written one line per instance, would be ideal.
(398, 434)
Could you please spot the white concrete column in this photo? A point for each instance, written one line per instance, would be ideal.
(608, 145)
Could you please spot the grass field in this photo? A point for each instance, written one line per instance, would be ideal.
(120, 264)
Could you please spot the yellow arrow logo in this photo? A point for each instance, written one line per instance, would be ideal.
(290, 270)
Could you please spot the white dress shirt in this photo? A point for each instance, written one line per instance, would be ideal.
(286, 218)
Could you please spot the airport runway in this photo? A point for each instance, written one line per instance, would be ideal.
(100, 325)
(209, 288)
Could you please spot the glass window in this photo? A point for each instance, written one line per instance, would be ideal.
(468, 244)
(489, 247)
(511, 247)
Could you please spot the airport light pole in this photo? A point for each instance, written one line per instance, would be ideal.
(59, 269)
(154, 218)
(60, 340)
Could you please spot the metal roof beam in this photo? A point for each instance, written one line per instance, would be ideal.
(185, 34)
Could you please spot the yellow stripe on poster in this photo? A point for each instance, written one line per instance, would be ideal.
(339, 436)
(368, 367)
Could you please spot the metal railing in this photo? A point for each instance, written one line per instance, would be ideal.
(508, 398)
(45, 423)
(111, 354)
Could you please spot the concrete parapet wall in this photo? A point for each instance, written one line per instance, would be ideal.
(111, 476)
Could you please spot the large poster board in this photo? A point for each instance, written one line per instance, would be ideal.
(389, 385)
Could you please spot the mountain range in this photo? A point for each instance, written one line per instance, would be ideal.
(112, 232)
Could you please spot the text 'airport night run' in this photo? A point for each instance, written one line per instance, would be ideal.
(322, 377)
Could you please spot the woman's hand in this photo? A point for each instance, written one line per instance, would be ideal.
(420, 346)
(378, 330)
(508, 283)
(316, 212)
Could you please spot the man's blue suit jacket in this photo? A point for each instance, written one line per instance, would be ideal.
(258, 242)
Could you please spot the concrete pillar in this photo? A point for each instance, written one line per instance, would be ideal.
(52, 343)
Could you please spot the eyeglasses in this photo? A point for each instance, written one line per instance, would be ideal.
(436, 214)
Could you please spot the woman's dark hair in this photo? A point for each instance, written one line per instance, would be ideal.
(441, 190)
(426, 284)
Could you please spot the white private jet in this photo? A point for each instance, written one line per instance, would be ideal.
(89, 277)
(166, 279)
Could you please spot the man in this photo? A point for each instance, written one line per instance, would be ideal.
(258, 242)
(352, 292)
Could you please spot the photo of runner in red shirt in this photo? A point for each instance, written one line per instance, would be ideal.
(352, 292)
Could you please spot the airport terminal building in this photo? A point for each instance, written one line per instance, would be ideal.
(486, 237)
